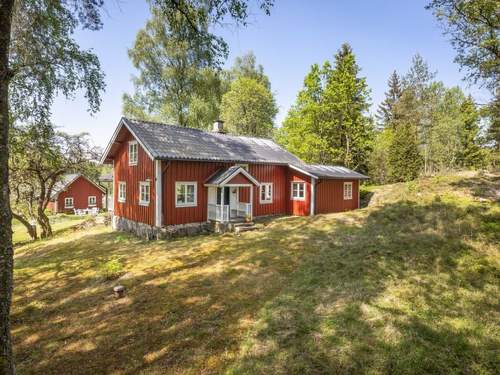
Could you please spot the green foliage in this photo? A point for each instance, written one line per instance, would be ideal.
(473, 28)
(472, 155)
(246, 66)
(378, 163)
(45, 61)
(111, 270)
(385, 111)
(39, 159)
(445, 125)
(249, 108)
(404, 157)
(176, 82)
(329, 123)
(197, 15)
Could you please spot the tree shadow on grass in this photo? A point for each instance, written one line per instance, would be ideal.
(404, 292)
(396, 291)
(481, 186)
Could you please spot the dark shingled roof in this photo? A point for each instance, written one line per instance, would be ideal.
(221, 175)
(171, 142)
(67, 180)
(331, 171)
(224, 173)
(181, 143)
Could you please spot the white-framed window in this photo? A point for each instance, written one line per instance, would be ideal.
(68, 202)
(92, 200)
(266, 192)
(347, 190)
(186, 194)
(298, 191)
(122, 191)
(144, 193)
(132, 153)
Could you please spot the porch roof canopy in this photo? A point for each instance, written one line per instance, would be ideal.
(225, 176)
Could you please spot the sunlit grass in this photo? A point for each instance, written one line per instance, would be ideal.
(59, 223)
(408, 285)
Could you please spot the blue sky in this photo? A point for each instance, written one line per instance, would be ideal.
(384, 34)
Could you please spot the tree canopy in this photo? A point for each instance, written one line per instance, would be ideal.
(39, 159)
(474, 31)
(329, 122)
(249, 108)
(176, 81)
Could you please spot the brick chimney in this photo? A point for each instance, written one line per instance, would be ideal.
(218, 127)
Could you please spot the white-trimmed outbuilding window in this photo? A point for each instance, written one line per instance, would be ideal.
(185, 194)
(68, 202)
(266, 192)
(92, 200)
(122, 191)
(132, 153)
(298, 191)
(144, 193)
(347, 190)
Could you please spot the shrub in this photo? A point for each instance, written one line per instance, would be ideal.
(111, 270)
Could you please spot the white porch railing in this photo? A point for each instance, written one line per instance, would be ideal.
(218, 212)
(244, 209)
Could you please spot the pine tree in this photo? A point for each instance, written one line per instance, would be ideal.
(472, 156)
(329, 122)
(404, 158)
(385, 110)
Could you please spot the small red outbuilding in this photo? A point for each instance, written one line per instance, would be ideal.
(76, 192)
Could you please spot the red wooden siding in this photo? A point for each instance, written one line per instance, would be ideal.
(80, 190)
(239, 179)
(177, 171)
(299, 207)
(330, 196)
(244, 194)
(132, 175)
(277, 175)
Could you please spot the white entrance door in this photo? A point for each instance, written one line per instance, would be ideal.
(233, 200)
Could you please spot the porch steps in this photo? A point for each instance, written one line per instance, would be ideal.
(244, 227)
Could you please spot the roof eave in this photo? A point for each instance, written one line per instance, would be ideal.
(104, 158)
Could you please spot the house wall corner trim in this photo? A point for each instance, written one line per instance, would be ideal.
(158, 194)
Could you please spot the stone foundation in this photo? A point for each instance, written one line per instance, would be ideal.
(149, 232)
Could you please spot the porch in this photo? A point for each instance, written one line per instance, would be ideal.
(230, 195)
(225, 205)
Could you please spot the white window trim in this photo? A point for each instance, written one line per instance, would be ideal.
(120, 184)
(72, 202)
(266, 185)
(190, 204)
(130, 161)
(347, 197)
(143, 202)
(291, 191)
(92, 204)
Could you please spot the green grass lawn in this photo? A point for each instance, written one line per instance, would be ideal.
(408, 285)
(59, 223)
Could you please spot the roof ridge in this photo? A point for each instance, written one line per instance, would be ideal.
(197, 129)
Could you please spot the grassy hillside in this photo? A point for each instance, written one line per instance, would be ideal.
(409, 284)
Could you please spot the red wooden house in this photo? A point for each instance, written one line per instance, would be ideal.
(76, 192)
(166, 176)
